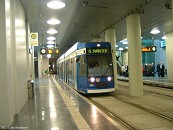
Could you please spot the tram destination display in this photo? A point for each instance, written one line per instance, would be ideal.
(98, 50)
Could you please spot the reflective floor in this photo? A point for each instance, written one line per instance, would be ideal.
(59, 108)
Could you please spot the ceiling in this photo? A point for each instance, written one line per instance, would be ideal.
(83, 20)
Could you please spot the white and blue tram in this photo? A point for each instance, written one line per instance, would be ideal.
(87, 67)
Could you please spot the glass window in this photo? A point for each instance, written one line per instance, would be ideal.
(100, 65)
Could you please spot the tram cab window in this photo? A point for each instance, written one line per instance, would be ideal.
(99, 65)
(82, 66)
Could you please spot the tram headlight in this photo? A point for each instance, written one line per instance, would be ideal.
(109, 78)
(92, 79)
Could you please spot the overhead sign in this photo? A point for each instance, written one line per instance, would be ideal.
(56, 51)
(34, 39)
(98, 51)
(149, 49)
(49, 51)
(43, 51)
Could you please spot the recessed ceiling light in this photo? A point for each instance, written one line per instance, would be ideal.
(48, 55)
(50, 46)
(52, 31)
(116, 45)
(124, 41)
(50, 42)
(120, 49)
(51, 38)
(164, 37)
(56, 5)
(155, 31)
(53, 21)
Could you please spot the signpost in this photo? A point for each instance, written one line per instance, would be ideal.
(34, 39)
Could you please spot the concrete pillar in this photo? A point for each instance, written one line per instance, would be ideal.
(6, 95)
(169, 54)
(13, 68)
(44, 65)
(111, 37)
(40, 75)
(134, 55)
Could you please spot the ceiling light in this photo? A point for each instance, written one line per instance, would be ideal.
(164, 37)
(116, 45)
(155, 31)
(50, 46)
(51, 38)
(120, 49)
(56, 5)
(50, 42)
(53, 21)
(48, 55)
(126, 47)
(52, 31)
(124, 41)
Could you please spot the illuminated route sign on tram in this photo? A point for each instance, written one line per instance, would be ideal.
(98, 50)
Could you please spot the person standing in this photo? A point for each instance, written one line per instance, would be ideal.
(158, 70)
(162, 69)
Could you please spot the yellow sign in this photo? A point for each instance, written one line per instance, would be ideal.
(34, 39)
(149, 49)
(56, 51)
(50, 51)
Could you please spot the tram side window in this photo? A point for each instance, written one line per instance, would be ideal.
(82, 67)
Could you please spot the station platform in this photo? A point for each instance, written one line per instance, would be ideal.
(154, 81)
(57, 107)
(54, 107)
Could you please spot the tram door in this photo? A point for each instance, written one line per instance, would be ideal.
(81, 73)
(67, 71)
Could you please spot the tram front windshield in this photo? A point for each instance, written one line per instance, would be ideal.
(99, 65)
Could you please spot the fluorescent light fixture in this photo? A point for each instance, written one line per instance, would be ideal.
(126, 47)
(116, 45)
(155, 31)
(55, 128)
(53, 21)
(48, 55)
(51, 38)
(50, 46)
(56, 5)
(50, 42)
(52, 31)
(164, 37)
(124, 41)
(120, 49)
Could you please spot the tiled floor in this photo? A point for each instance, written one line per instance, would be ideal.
(56, 108)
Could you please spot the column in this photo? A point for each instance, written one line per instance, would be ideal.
(44, 65)
(40, 75)
(111, 37)
(134, 55)
(169, 54)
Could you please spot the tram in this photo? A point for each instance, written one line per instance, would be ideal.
(87, 67)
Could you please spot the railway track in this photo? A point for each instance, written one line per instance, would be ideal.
(126, 123)
(116, 117)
